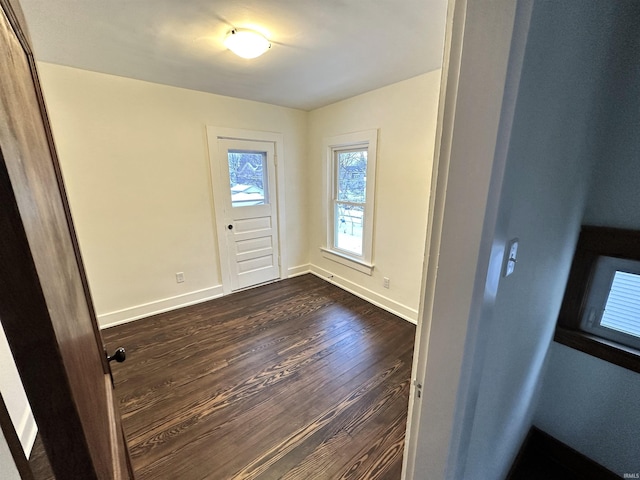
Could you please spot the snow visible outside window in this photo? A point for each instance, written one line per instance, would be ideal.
(349, 193)
(351, 182)
(247, 178)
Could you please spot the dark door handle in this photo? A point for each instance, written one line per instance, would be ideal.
(230, 227)
(119, 356)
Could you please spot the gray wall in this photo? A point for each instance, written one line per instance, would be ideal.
(555, 141)
(588, 403)
(614, 197)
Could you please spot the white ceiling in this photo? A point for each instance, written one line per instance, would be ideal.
(322, 51)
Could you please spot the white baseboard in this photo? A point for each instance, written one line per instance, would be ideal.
(299, 270)
(27, 431)
(402, 311)
(136, 312)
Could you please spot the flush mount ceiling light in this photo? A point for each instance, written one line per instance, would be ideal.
(246, 43)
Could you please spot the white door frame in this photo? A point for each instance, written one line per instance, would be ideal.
(484, 46)
(219, 190)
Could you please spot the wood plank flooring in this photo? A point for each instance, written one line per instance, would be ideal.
(294, 380)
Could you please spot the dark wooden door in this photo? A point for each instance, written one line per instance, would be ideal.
(45, 306)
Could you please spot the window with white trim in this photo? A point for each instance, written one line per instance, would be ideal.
(350, 167)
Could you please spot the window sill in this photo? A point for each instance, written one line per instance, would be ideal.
(350, 262)
(606, 350)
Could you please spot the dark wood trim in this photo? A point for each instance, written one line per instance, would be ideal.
(583, 466)
(125, 444)
(18, 24)
(593, 243)
(34, 349)
(602, 348)
(543, 449)
(45, 310)
(520, 457)
(15, 447)
(14, 14)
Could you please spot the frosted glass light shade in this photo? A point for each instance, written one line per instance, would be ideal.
(246, 43)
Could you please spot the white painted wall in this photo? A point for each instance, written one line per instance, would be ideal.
(15, 397)
(405, 116)
(586, 402)
(134, 158)
(592, 405)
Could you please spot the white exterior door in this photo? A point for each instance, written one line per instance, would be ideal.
(248, 211)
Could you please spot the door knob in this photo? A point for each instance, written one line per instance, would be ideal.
(119, 356)
(230, 227)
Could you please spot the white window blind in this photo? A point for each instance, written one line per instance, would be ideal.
(622, 310)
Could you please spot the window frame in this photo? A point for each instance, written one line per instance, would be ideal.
(593, 243)
(365, 140)
(604, 273)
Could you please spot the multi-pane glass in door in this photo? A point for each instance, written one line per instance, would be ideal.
(350, 197)
(248, 178)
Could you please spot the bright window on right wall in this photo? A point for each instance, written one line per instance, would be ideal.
(350, 167)
(600, 312)
(349, 199)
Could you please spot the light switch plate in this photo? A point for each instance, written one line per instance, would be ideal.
(511, 257)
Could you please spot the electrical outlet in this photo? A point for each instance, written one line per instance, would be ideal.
(385, 282)
(180, 277)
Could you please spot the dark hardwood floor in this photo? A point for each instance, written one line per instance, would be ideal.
(294, 380)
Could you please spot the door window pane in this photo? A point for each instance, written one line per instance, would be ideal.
(248, 178)
(352, 175)
(348, 228)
